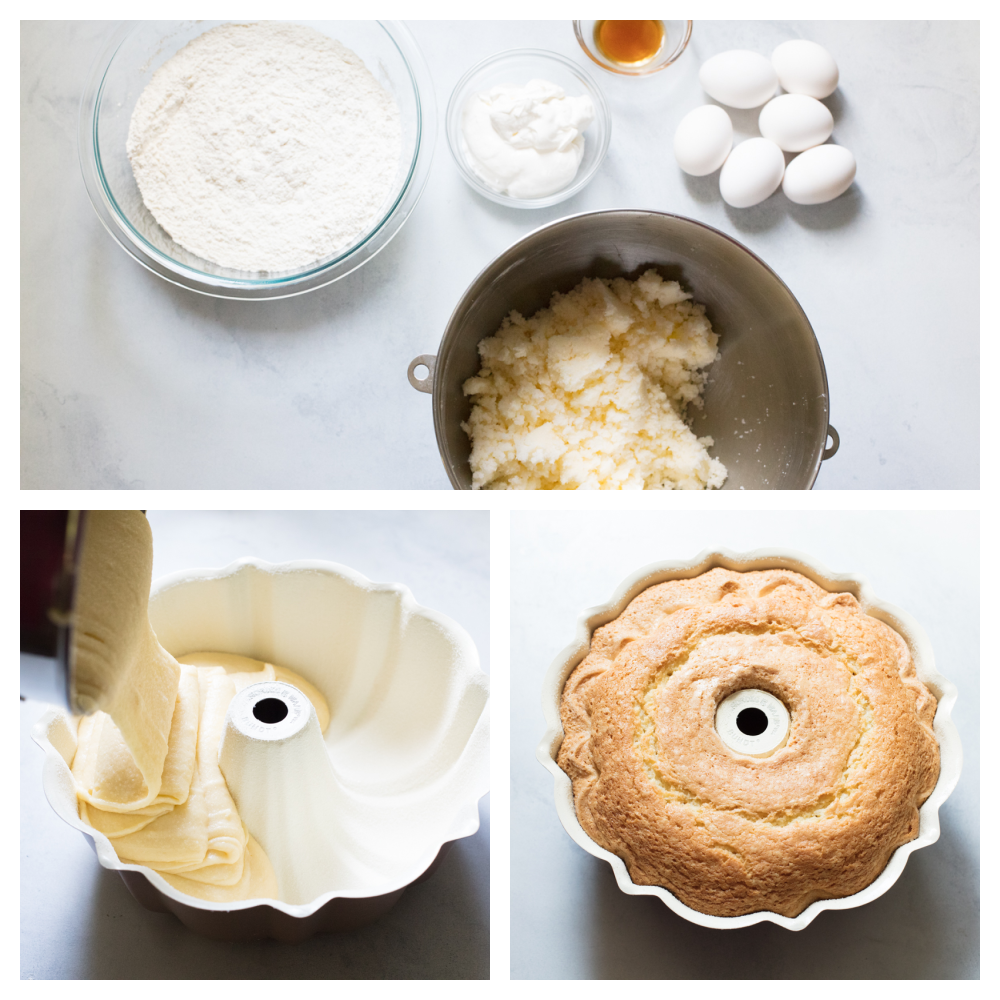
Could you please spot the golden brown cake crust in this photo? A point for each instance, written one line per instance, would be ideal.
(726, 833)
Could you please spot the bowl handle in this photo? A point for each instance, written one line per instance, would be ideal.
(429, 361)
(831, 432)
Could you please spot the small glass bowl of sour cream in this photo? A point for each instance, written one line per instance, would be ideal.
(515, 69)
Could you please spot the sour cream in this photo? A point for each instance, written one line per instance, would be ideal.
(526, 142)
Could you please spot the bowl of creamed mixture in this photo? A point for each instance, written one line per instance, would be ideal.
(628, 349)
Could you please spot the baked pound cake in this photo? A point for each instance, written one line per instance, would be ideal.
(726, 832)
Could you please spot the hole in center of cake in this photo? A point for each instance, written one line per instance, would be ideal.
(270, 711)
(751, 722)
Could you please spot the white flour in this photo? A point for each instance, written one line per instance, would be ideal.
(264, 147)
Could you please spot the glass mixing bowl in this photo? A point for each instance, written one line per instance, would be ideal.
(518, 66)
(676, 35)
(135, 50)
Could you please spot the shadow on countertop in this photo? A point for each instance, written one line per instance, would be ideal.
(438, 930)
(914, 931)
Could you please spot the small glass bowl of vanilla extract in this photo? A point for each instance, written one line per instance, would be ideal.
(633, 48)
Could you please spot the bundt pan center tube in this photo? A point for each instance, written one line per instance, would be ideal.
(766, 403)
(751, 723)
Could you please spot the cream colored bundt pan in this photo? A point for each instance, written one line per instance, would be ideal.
(409, 730)
(923, 656)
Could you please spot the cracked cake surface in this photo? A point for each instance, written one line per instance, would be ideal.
(727, 833)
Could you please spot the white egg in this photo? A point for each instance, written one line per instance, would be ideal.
(819, 174)
(805, 68)
(752, 173)
(739, 78)
(703, 140)
(795, 122)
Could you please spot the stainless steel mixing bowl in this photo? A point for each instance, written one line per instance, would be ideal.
(766, 401)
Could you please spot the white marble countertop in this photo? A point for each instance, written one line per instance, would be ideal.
(569, 919)
(79, 921)
(129, 382)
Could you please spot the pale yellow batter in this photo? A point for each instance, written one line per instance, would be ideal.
(118, 665)
(146, 767)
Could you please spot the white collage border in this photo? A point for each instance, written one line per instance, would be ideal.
(984, 500)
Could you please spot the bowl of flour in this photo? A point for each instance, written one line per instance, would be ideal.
(256, 160)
